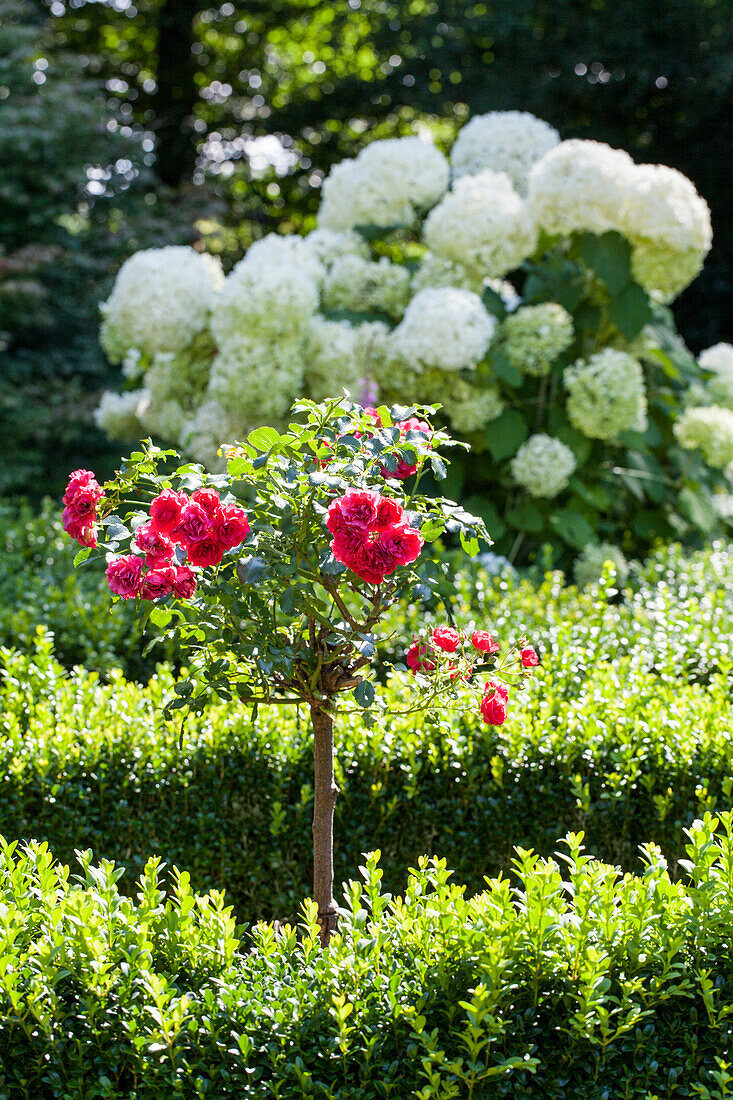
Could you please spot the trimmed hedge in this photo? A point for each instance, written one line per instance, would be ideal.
(568, 981)
(625, 736)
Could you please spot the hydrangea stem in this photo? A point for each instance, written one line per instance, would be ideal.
(326, 793)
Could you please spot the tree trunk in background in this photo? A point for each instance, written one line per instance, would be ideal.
(326, 793)
(176, 94)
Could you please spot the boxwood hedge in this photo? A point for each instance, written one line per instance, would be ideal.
(565, 981)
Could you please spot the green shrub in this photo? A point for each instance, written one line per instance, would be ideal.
(567, 981)
(625, 737)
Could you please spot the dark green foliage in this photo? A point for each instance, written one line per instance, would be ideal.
(567, 981)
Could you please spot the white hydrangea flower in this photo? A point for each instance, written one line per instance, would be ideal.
(483, 224)
(591, 563)
(534, 336)
(669, 226)
(328, 244)
(181, 377)
(257, 382)
(203, 434)
(341, 356)
(504, 141)
(276, 250)
(543, 466)
(709, 430)
(132, 365)
(388, 183)
(354, 283)
(446, 328)
(606, 394)
(470, 407)
(266, 297)
(579, 186)
(160, 301)
(719, 357)
(117, 415)
(436, 271)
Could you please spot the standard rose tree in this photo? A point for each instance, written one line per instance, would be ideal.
(277, 599)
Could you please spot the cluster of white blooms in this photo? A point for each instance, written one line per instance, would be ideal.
(256, 381)
(328, 245)
(543, 466)
(354, 283)
(161, 300)
(586, 186)
(504, 141)
(482, 223)
(668, 224)
(534, 336)
(389, 183)
(436, 271)
(709, 430)
(271, 294)
(446, 328)
(340, 356)
(117, 415)
(719, 357)
(579, 186)
(606, 394)
(203, 434)
(591, 563)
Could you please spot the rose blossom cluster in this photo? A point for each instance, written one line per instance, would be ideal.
(81, 498)
(371, 535)
(424, 656)
(199, 524)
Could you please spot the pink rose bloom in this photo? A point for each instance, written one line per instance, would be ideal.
(156, 584)
(82, 506)
(157, 550)
(231, 526)
(389, 512)
(209, 501)
(494, 704)
(166, 509)
(124, 575)
(206, 551)
(482, 640)
(81, 479)
(445, 637)
(85, 533)
(402, 542)
(347, 544)
(193, 525)
(357, 508)
(418, 658)
(184, 582)
(528, 656)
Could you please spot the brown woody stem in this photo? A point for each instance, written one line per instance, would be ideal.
(326, 793)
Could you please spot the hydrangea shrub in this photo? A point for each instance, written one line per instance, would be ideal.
(275, 574)
(522, 284)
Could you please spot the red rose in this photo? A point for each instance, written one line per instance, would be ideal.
(84, 532)
(528, 656)
(206, 551)
(184, 582)
(156, 584)
(355, 509)
(402, 542)
(417, 658)
(82, 480)
(157, 550)
(371, 563)
(347, 544)
(481, 639)
(231, 526)
(166, 509)
(494, 703)
(445, 637)
(82, 506)
(124, 575)
(193, 525)
(209, 501)
(389, 512)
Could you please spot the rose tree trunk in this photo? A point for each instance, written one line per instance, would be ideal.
(326, 793)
